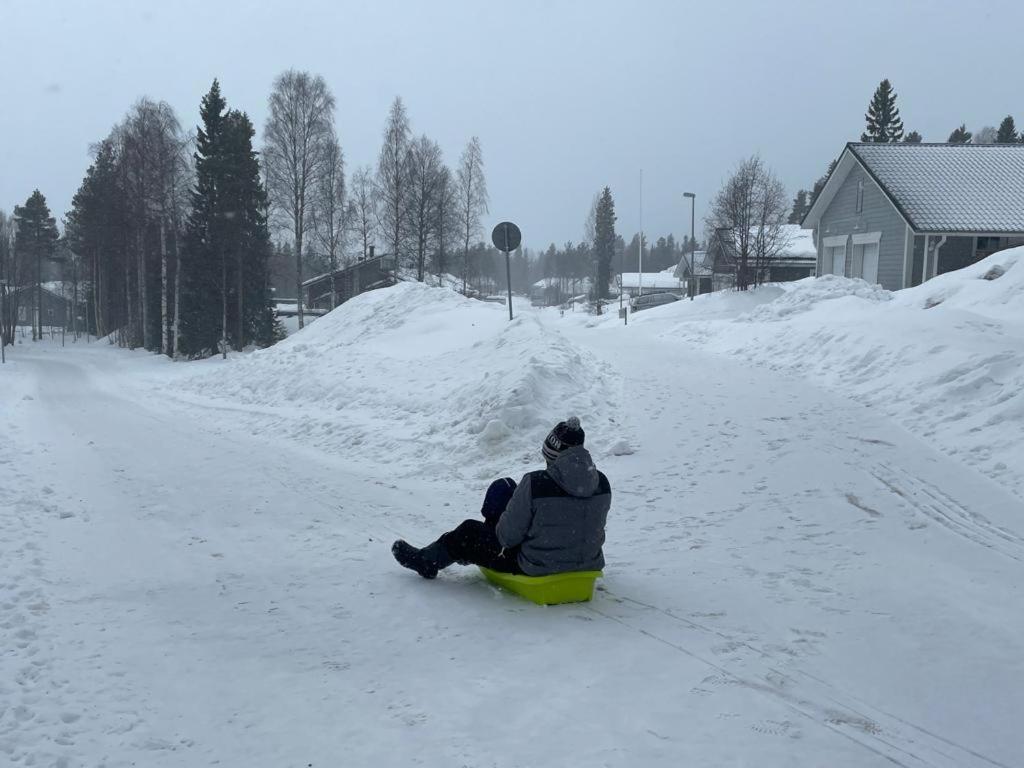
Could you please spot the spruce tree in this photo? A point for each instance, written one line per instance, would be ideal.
(35, 239)
(820, 183)
(200, 316)
(960, 136)
(226, 283)
(246, 235)
(1007, 132)
(912, 138)
(604, 243)
(883, 117)
(800, 207)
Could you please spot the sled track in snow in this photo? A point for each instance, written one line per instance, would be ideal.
(941, 508)
(887, 735)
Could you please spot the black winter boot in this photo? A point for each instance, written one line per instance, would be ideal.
(414, 559)
(437, 553)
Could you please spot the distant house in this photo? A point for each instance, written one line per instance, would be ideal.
(652, 282)
(792, 256)
(363, 275)
(900, 214)
(702, 267)
(56, 305)
(555, 291)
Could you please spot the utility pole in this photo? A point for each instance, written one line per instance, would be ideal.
(694, 284)
(640, 260)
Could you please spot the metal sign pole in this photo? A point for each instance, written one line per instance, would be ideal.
(508, 275)
(507, 237)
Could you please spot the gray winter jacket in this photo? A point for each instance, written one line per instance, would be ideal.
(557, 516)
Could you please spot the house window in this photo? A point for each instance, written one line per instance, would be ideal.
(989, 245)
(860, 196)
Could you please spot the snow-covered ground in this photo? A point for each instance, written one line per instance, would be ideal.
(807, 562)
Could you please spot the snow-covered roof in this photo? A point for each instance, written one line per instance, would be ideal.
(702, 265)
(799, 243)
(793, 247)
(650, 280)
(941, 187)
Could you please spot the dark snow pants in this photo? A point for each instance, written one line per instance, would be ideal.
(475, 541)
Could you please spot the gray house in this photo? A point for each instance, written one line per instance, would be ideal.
(366, 274)
(900, 214)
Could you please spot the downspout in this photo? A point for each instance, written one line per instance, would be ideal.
(935, 260)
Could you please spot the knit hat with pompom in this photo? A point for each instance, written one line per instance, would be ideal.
(566, 434)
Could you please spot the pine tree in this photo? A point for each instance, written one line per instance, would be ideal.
(1007, 132)
(604, 244)
(960, 136)
(912, 138)
(883, 117)
(35, 239)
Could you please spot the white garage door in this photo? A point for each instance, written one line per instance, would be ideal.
(869, 271)
(835, 259)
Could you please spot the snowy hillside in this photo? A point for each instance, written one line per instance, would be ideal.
(945, 359)
(412, 377)
(195, 565)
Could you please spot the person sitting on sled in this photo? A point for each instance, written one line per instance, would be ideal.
(552, 522)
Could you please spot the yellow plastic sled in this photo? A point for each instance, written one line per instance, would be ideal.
(572, 587)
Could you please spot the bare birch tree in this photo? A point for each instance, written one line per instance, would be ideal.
(749, 214)
(393, 181)
(363, 205)
(444, 214)
(472, 199)
(155, 161)
(424, 177)
(170, 190)
(300, 125)
(12, 270)
(329, 211)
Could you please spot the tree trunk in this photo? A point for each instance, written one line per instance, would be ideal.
(177, 297)
(164, 341)
(74, 298)
(143, 313)
(240, 344)
(334, 268)
(39, 296)
(298, 268)
(224, 305)
(128, 340)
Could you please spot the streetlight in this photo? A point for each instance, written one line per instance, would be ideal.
(693, 245)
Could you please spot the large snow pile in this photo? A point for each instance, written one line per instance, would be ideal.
(810, 292)
(946, 359)
(418, 379)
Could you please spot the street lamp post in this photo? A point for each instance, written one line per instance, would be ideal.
(693, 245)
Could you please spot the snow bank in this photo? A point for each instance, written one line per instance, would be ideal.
(418, 379)
(805, 295)
(945, 359)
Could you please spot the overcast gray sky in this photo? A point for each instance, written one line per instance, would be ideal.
(566, 97)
